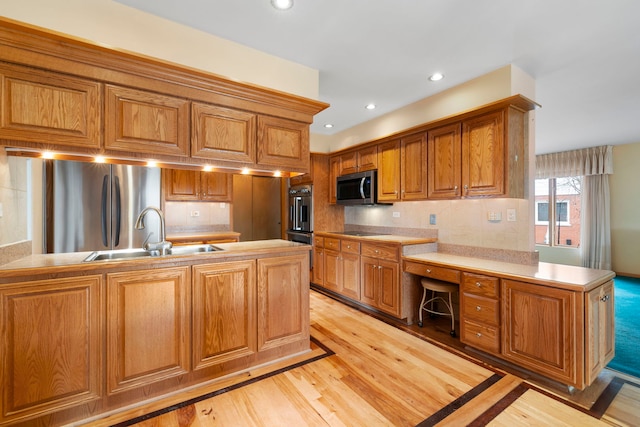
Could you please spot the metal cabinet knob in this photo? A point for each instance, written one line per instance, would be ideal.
(478, 308)
(479, 335)
(428, 271)
(605, 298)
(478, 284)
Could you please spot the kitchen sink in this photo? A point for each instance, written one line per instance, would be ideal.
(117, 254)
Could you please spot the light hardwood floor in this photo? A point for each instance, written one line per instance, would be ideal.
(377, 374)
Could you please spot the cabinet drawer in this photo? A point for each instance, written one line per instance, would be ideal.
(481, 309)
(481, 336)
(480, 285)
(380, 251)
(427, 270)
(331, 243)
(318, 242)
(350, 246)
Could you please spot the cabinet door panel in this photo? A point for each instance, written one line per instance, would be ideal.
(369, 281)
(413, 170)
(540, 329)
(44, 107)
(222, 134)
(283, 282)
(389, 299)
(332, 270)
(223, 312)
(368, 158)
(444, 157)
(137, 121)
(389, 171)
(51, 345)
(147, 327)
(335, 164)
(600, 336)
(283, 143)
(483, 150)
(180, 184)
(349, 163)
(350, 275)
(318, 266)
(216, 186)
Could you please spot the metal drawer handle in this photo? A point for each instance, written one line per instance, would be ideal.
(478, 284)
(479, 335)
(428, 271)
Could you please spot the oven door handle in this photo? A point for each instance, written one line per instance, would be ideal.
(297, 213)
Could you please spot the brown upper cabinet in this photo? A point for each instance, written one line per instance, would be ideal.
(144, 122)
(482, 156)
(39, 106)
(222, 133)
(402, 173)
(61, 93)
(196, 186)
(360, 160)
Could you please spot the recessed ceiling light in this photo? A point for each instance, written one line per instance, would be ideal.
(370, 106)
(282, 4)
(328, 125)
(436, 76)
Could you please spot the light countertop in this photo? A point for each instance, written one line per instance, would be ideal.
(66, 262)
(556, 275)
(388, 238)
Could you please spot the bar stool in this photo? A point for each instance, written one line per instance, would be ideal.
(437, 286)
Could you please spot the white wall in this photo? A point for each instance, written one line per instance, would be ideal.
(625, 210)
(123, 27)
(14, 198)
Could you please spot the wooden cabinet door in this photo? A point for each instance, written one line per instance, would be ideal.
(50, 109)
(483, 155)
(332, 270)
(307, 178)
(541, 330)
(223, 314)
(600, 330)
(283, 143)
(348, 163)
(389, 171)
(147, 327)
(413, 169)
(222, 134)
(51, 349)
(180, 185)
(335, 165)
(318, 266)
(369, 281)
(444, 145)
(283, 282)
(350, 275)
(144, 122)
(216, 187)
(368, 158)
(389, 287)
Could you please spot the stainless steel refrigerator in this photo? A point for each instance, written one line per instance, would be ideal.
(94, 206)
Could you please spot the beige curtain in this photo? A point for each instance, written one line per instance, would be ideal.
(594, 164)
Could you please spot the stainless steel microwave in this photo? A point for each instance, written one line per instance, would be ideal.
(357, 188)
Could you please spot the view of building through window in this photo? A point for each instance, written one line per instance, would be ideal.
(557, 211)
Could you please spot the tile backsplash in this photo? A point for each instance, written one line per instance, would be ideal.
(197, 214)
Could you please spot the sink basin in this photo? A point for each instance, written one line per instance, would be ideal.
(120, 254)
(192, 249)
(138, 252)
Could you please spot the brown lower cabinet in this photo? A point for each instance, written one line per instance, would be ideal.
(76, 347)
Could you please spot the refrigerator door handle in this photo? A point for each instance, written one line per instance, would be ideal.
(103, 210)
(118, 212)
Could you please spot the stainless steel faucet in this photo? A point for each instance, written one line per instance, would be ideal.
(163, 246)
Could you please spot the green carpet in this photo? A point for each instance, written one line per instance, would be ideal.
(627, 300)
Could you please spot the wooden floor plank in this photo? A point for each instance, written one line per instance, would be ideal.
(625, 408)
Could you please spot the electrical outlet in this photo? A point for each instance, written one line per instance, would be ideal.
(195, 213)
(396, 214)
(494, 216)
(432, 219)
(511, 215)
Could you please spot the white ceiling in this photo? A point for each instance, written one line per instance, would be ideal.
(583, 54)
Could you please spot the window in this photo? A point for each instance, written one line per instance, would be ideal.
(557, 212)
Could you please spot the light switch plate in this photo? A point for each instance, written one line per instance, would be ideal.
(396, 214)
(511, 215)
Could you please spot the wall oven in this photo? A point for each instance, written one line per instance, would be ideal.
(300, 227)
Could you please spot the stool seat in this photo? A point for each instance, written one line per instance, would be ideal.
(434, 286)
